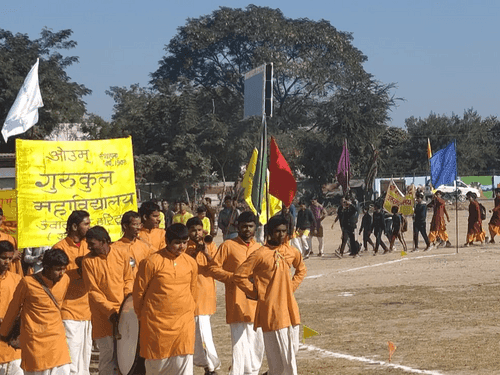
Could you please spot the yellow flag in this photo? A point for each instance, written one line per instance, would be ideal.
(429, 151)
(247, 184)
(403, 253)
(308, 332)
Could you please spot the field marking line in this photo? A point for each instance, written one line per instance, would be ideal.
(313, 277)
(367, 360)
(394, 261)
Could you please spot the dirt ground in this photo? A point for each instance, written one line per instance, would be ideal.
(438, 307)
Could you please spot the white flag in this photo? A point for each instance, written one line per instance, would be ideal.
(24, 112)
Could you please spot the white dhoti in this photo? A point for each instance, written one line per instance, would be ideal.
(60, 370)
(248, 349)
(79, 338)
(281, 348)
(11, 368)
(179, 365)
(107, 365)
(305, 244)
(205, 354)
(296, 242)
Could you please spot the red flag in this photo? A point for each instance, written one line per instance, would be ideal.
(282, 184)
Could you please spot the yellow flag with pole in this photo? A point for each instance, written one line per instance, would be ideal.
(308, 332)
(248, 185)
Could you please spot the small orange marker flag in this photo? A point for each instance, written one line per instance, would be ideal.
(403, 253)
(392, 349)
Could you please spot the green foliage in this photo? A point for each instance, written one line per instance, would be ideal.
(62, 98)
(321, 92)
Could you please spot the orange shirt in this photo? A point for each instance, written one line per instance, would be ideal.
(273, 287)
(138, 249)
(8, 284)
(154, 237)
(206, 301)
(108, 280)
(165, 292)
(15, 266)
(76, 302)
(43, 338)
(230, 255)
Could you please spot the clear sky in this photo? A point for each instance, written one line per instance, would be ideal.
(442, 54)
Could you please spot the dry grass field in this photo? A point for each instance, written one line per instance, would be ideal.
(438, 307)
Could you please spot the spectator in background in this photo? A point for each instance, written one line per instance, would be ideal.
(202, 215)
(494, 225)
(183, 215)
(207, 203)
(319, 214)
(167, 212)
(305, 221)
(227, 219)
(33, 258)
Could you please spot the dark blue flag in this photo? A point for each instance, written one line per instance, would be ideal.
(444, 166)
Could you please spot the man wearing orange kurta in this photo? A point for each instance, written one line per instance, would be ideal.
(494, 224)
(44, 350)
(135, 248)
(108, 278)
(205, 354)
(438, 225)
(75, 308)
(10, 358)
(15, 265)
(277, 310)
(165, 291)
(475, 230)
(150, 232)
(247, 343)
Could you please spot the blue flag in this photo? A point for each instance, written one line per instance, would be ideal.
(444, 166)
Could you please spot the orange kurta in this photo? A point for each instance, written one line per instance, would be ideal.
(8, 284)
(154, 237)
(108, 280)
(138, 250)
(206, 301)
(76, 303)
(15, 266)
(165, 292)
(43, 338)
(273, 287)
(230, 255)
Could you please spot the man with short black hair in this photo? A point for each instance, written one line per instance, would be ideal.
(130, 244)
(165, 294)
(75, 309)
(265, 276)
(10, 358)
(247, 343)
(183, 215)
(305, 222)
(38, 299)
(108, 278)
(150, 232)
(205, 354)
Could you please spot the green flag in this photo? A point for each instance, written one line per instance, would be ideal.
(259, 178)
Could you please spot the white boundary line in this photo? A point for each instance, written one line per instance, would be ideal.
(367, 360)
(395, 261)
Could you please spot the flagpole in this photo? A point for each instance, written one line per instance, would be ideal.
(456, 195)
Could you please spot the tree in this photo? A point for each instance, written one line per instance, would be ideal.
(320, 84)
(62, 98)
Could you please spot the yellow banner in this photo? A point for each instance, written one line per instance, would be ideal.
(9, 207)
(57, 178)
(395, 197)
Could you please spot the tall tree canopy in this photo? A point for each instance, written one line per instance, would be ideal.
(320, 84)
(62, 98)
